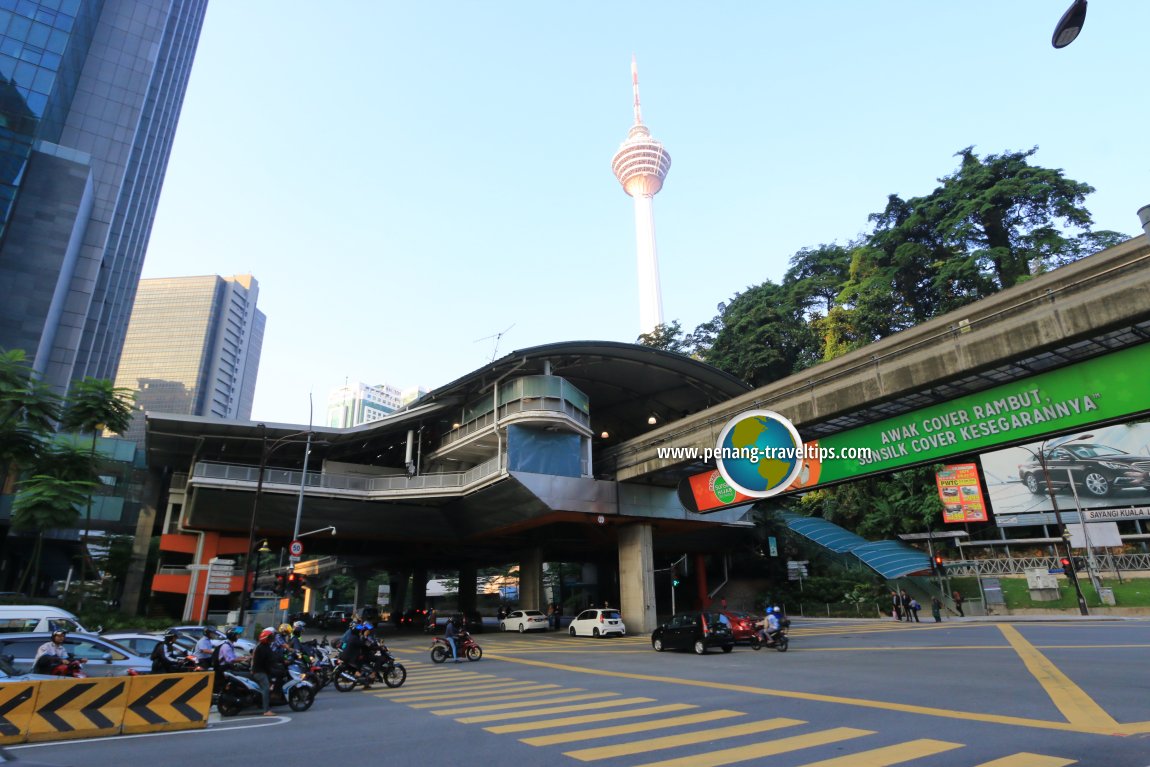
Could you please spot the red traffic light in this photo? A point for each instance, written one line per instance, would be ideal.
(1066, 564)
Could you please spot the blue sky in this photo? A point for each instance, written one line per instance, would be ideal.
(407, 180)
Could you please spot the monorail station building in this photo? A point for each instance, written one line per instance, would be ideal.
(500, 467)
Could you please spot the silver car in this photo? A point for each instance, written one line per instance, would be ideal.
(102, 657)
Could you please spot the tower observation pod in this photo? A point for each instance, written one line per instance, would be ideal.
(641, 164)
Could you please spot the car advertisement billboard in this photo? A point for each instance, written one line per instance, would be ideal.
(1106, 468)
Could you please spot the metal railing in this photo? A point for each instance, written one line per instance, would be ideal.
(368, 488)
(527, 405)
(1019, 565)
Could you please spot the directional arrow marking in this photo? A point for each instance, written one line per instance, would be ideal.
(181, 703)
(140, 706)
(92, 710)
(48, 711)
(7, 729)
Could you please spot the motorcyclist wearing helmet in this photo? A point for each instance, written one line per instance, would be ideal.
(353, 650)
(204, 648)
(262, 660)
(166, 655)
(282, 635)
(51, 653)
(295, 640)
(769, 626)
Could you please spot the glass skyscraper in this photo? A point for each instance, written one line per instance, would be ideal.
(193, 347)
(90, 94)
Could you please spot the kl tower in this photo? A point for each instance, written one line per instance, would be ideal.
(641, 164)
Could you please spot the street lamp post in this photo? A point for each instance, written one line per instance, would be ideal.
(265, 453)
(1064, 533)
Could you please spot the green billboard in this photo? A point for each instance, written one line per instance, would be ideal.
(1106, 388)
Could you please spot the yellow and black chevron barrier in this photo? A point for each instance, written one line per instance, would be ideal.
(167, 702)
(17, 702)
(84, 708)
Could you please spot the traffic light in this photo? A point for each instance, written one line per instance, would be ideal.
(674, 576)
(295, 585)
(280, 585)
(939, 565)
(1067, 565)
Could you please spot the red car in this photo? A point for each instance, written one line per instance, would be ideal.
(742, 624)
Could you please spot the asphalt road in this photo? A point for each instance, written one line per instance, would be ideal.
(848, 693)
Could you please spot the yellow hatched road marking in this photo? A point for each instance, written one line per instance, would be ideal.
(476, 684)
(607, 716)
(705, 736)
(563, 698)
(628, 729)
(539, 691)
(452, 693)
(1026, 759)
(552, 710)
(887, 755)
(1078, 707)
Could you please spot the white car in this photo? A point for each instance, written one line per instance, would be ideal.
(598, 623)
(524, 620)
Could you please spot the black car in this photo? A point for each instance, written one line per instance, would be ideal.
(693, 631)
(1098, 470)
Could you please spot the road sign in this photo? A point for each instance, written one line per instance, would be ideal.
(220, 572)
(296, 548)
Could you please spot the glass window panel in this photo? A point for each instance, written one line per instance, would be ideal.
(24, 74)
(37, 102)
(5, 17)
(70, 7)
(38, 34)
(45, 16)
(7, 66)
(11, 47)
(31, 55)
(26, 8)
(19, 26)
(64, 22)
(42, 82)
(52, 5)
(57, 41)
(51, 61)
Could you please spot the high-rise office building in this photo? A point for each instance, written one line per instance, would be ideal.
(641, 165)
(354, 405)
(90, 94)
(193, 347)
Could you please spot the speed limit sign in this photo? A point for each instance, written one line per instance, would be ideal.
(296, 548)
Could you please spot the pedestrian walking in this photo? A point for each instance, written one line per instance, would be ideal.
(914, 608)
(936, 609)
(904, 598)
(896, 605)
(958, 603)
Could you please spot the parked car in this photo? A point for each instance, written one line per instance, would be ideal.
(9, 673)
(335, 619)
(598, 623)
(742, 624)
(524, 620)
(693, 631)
(143, 642)
(104, 657)
(1098, 470)
(195, 632)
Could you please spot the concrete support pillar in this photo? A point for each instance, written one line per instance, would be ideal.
(134, 579)
(467, 601)
(419, 588)
(398, 580)
(361, 597)
(637, 578)
(531, 580)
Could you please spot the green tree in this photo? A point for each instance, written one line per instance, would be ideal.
(28, 414)
(667, 336)
(94, 405)
(763, 336)
(49, 498)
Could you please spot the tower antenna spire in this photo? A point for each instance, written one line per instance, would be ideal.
(635, 88)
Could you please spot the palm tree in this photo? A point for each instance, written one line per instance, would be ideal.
(94, 405)
(50, 497)
(28, 413)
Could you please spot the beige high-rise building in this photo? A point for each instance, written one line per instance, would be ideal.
(193, 347)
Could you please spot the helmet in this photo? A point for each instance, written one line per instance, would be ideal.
(777, 610)
(207, 631)
(170, 635)
(266, 634)
(285, 628)
(60, 632)
(368, 627)
(298, 625)
(232, 635)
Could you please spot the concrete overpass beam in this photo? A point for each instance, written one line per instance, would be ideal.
(530, 580)
(637, 578)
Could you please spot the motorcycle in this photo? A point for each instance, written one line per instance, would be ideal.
(322, 665)
(240, 691)
(776, 639)
(71, 667)
(464, 643)
(380, 666)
